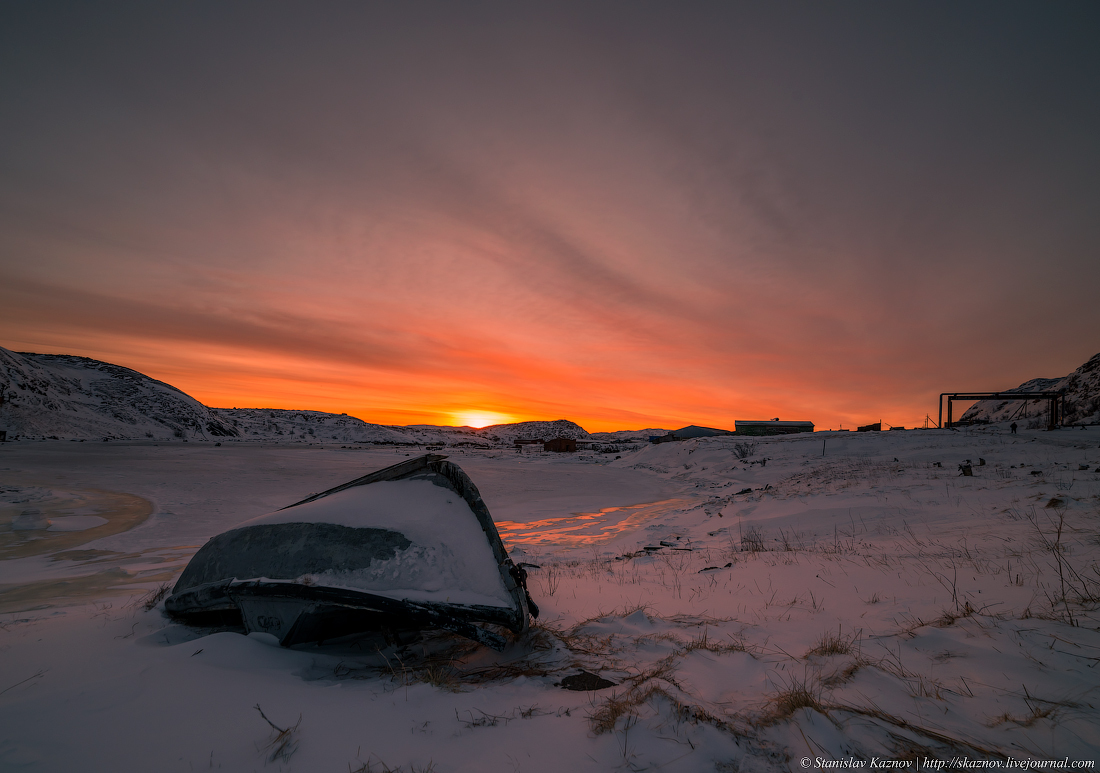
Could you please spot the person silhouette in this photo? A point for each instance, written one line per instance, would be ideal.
(1013, 427)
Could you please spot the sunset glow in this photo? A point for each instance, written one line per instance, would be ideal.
(685, 218)
(479, 419)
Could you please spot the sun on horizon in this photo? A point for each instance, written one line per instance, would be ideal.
(479, 419)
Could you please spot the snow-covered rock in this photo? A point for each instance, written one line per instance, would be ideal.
(1082, 401)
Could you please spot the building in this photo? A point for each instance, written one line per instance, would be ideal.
(773, 427)
(561, 444)
(523, 445)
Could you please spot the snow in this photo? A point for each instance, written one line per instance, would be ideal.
(76, 523)
(63, 396)
(1081, 390)
(449, 560)
(857, 601)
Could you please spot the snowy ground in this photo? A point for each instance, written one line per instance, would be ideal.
(753, 606)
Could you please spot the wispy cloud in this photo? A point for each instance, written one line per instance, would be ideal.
(640, 218)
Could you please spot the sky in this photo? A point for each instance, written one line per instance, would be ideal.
(626, 214)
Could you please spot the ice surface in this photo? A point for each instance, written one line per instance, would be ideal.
(76, 523)
(30, 519)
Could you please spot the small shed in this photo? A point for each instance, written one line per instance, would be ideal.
(560, 444)
(525, 445)
(773, 427)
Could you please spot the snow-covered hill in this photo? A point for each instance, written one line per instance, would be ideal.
(508, 434)
(1082, 390)
(629, 435)
(67, 397)
(309, 426)
(63, 396)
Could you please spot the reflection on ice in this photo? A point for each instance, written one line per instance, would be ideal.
(587, 528)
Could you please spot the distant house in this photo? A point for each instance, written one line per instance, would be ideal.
(560, 444)
(592, 445)
(523, 445)
(773, 427)
(876, 427)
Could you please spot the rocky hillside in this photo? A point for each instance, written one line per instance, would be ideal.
(309, 426)
(508, 434)
(1082, 390)
(629, 435)
(63, 396)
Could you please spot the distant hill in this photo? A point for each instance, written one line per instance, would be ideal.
(309, 426)
(508, 434)
(693, 431)
(63, 396)
(628, 435)
(1082, 390)
(67, 397)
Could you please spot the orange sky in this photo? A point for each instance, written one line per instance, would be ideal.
(654, 220)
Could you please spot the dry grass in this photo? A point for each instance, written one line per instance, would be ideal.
(796, 694)
(285, 742)
(752, 540)
(150, 600)
(654, 684)
(951, 743)
(605, 717)
(833, 644)
(744, 450)
(376, 765)
(843, 675)
(1038, 708)
(442, 676)
(704, 642)
(950, 618)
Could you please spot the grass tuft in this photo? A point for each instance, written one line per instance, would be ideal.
(797, 694)
(149, 601)
(832, 644)
(285, 742)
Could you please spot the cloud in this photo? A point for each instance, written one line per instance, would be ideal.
(687, 215)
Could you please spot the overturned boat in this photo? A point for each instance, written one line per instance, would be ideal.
(405, 548)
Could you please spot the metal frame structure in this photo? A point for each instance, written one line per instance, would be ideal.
(1055, 404)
